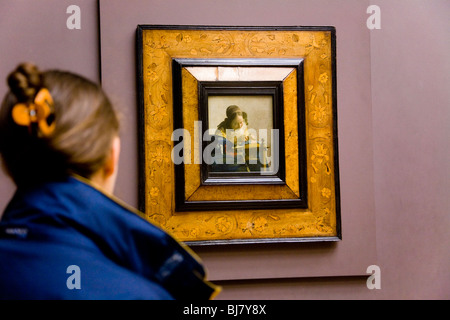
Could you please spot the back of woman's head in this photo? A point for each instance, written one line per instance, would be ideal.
(48, 137)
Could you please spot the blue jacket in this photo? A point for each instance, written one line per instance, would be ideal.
(68, 240)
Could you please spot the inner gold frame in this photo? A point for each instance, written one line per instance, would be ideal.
(157, 47)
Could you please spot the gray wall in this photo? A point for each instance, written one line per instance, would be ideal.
(350, 257)
(393, 113)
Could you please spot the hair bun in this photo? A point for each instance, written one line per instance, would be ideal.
(25, 81)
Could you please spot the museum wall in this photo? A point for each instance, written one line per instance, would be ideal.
(393, 129)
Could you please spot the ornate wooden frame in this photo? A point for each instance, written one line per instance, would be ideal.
(204, 214)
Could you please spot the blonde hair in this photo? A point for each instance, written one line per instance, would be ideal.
(85, 125)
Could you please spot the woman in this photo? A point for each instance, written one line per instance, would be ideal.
(63, 235)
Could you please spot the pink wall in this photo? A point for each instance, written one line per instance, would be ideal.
(393, 113)
(357, 250)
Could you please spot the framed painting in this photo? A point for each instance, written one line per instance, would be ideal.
(238, 133)
(241, 151)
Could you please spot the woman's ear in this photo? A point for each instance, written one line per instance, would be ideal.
(112, 162)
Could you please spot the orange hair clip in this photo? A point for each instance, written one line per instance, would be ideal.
(36, 112)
